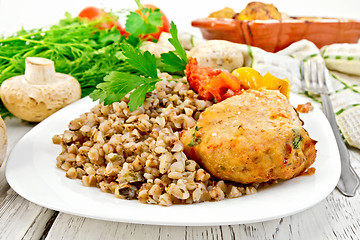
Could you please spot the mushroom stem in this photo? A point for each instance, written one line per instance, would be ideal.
(39, 71)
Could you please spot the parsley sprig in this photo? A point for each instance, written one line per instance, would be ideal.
(297, 139)
(174, 61)
(143, 22)
(144, 62)
(118, 84)
(137, 25)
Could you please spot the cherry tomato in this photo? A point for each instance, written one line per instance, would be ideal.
(94, 13)
(164, 28)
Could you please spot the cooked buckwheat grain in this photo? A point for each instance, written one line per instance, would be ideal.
(138, 155)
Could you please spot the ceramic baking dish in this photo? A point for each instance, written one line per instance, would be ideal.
(274, 35)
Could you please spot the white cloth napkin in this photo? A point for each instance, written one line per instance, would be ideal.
(343, 75)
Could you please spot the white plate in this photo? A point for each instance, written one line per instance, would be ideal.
(31, 171)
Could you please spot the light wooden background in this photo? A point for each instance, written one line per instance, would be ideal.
(337, 217)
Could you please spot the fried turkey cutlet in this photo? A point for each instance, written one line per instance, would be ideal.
(253, 137)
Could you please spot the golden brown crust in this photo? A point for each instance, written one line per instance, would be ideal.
(259, 11)
(223, 13)
(251, 138)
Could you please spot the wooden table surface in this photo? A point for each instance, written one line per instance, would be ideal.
(336, 217)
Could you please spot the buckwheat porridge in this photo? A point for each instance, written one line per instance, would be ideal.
(139, 155)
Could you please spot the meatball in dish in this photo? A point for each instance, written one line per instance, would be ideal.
(259, 11)
(253, 137)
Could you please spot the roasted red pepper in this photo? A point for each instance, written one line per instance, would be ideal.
(211, 83)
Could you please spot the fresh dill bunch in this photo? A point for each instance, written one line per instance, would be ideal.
(100, 59)
(78, 48)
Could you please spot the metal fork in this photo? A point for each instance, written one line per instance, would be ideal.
(314, 81)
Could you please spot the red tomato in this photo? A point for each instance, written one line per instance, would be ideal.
(164, 28)
(94, 13)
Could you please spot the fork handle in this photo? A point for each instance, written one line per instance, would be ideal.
(349, 181)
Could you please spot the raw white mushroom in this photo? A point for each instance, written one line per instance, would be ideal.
(40, 92)
(219, 54)
(162, 46)
(189, 41)
(186, 40)
(3, 140)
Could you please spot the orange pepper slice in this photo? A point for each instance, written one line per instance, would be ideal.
(212, 83)
(223, 86)
(250, 78)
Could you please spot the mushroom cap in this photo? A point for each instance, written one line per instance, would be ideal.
(35, 102)
(219, 54)
(3, 140)
(162, 46)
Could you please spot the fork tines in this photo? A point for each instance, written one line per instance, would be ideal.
(313, 75)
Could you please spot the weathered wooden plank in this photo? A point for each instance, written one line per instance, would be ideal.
(72, 227)
(16, 129)
(21, 219)
(334, 218)
(4, 186)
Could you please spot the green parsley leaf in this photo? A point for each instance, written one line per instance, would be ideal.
(135, 24)
(138, 96)
(98, 94)
(176, 43)
(154, 18)
(145, 22)
(144, 62)
(297, 138)
(174, 61)
(117, 84)
(119, 87)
